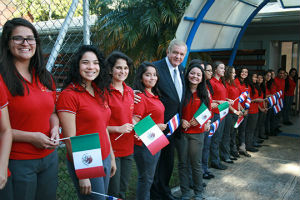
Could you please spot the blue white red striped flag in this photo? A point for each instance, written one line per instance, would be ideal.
(278, 94)
(281, 103)
(247, 103)
(243, 96)
(272, 100)
(276, 108)
(213, 127)
(174, 123)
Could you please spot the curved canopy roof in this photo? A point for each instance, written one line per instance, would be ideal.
(217, 25)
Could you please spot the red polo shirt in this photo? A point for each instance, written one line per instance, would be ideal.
(220, 92)
(31, 113)
(121, 113)
(3, 104)
(92, 113)
(233, 93)
(292, 86)
(280, 85)
(188, 112)
(254, 106)
(149, 104)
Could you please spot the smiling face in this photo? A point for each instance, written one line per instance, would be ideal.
(244, 73)
(260, 79)
(195, 76)
(208, 72)
(220, 70)
(120, 70)
(89, 68)
(232, 73)
(254, 78)
(149, 78)
(176, 55)
(24, 51)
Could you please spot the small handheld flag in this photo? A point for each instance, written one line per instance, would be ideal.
(278, 94)
(174, 123)
(202, 115)
(104, 195)
(213, 127)
(223, 109)
(239, 121)
(87, 157)
(272, 100)
(243, 96)
(151, 135)
(247, 103)
(276, 108)
(281, 103)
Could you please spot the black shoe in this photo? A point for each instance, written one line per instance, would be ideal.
(288, 123)
(252, 149)
(235, 154)
(245, 153)
(219, 166)
(264, 137)
(278, 130)
(203, 184)
(260, 141)
(206, 176)
(257, 145)
(232, 158)
(211, 175)
(228, 161)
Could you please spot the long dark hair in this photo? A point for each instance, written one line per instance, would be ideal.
(295, 79)
(262, 86)
(138, 79)
(246, 80)
(253, 85)
(228, 76)
(202, 92)
(74, 73)
(206, 64)
(12, 78)
(271, 81)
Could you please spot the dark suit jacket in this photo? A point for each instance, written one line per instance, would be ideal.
(169, 96)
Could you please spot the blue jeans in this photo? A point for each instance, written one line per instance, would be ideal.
(99, 184)
(215, 141)
(36, 178)
(205, 152)
(119, 182)
(190, 150)
(146, 165)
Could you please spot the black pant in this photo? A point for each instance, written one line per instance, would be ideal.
(160, 189)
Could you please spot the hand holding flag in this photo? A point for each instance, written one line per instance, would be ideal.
(202, 115)
(173, 123)
(239, 121)
(223, 109)
(214, 127)
(243, 96)
(247, 103)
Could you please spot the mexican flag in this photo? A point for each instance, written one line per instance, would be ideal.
(151, 135)
(239, 121)
(87, 157)
(202, 115)
(223, 109)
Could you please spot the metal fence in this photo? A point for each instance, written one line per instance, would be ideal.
(63, 26)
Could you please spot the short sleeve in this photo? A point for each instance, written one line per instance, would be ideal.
(67, 102)
(3, 97)
(140, 108)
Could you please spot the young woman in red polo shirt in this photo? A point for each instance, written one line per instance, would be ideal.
(228, 148)
(120, 101)
(219, 96)
(5, 146)
(146, 80)
(83, 109)
(31, 96)
(242, 83)
(289, 95)
(191, 142)
(256, 96)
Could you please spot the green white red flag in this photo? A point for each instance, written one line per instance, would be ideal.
(151, 135)
(203, 114)
(223, 109)
(239, 121)
(87, 157)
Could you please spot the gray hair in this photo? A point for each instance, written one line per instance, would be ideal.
(176, 42)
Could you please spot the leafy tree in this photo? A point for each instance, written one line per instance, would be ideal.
(43, 10)
(140, 28)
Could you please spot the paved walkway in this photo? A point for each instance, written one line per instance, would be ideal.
(273, 173)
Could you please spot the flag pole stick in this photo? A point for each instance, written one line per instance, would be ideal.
(119, 136)
(104, 195)
(66, 138)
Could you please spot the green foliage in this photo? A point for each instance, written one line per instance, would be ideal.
(43, 10)
(140, 28)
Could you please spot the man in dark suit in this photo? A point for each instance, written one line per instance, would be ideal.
(172, 88)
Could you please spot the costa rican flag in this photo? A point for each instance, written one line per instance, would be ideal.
(174, 123)
(272, 100)
(276, 108)
(281, 103)
(247, 103)
(213, 127)
(243, 96)
(278, 94)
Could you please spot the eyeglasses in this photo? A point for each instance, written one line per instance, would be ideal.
(209, 71)
(21, 40)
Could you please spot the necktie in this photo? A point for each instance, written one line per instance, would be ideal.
(177, 85)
